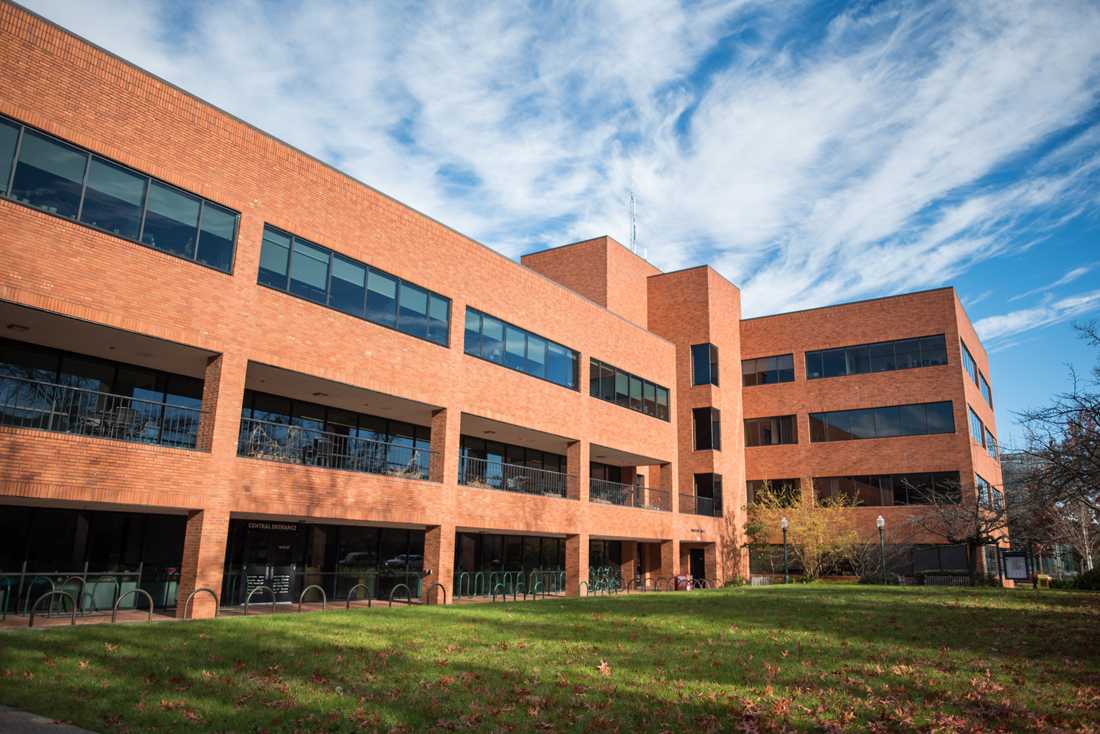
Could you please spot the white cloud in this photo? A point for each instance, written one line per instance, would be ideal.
(809, 172)
(1067, 278)
(1015, 322)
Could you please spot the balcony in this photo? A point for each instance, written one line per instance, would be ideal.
(48, 406)
(628, 495)
(290, 444)
(493, 474)
(691, 504)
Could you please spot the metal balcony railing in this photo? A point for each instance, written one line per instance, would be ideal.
(59, 408)
(298, 445)
(691, 504)
(489, 474)
(628, 495)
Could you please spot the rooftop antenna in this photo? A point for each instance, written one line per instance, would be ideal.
(634, 226)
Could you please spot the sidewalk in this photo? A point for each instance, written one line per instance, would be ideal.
(13, 721)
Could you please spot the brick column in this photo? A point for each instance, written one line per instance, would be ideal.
(203, 560)
(576, 467)
(576, 563)
(211, 385)
(710, 562)
(439, 558)
(446, 433)
(670, 558)
(629, 557)
(667, 483)
(222, 397)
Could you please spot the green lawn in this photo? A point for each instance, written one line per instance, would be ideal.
(820, 657)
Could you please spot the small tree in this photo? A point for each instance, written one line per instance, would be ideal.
(818, 536)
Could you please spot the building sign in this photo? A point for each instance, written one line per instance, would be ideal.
(1016, 566)
(291, 527)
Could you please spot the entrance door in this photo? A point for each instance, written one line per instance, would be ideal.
(698, 564)
(271, 558)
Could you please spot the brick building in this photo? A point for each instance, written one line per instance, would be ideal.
(224, 364)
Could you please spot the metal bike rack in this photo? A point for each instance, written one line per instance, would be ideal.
(48, 595)
(351, 593)
(30, 587)
(302, 596)
(463, 590)
(408, 593)
(428, 593)
(252, 593)
(503, 593)
(193, 594)
(134, 592)
(479, 576)
(536, 589)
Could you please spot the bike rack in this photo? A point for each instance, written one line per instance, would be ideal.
(191, 597)
(459, 589)
(408, 593)
(302, 596)
(700, 584)
(135, 592)
(352, 591)
(252, 593)
(428, 593)
(535, 591)
(118, 590)
(83, 583)
(479, 576)
(48, 595)
(503, 593)
(30, 586)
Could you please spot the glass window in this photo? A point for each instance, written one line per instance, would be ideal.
(662, 403)
(113, 199)
(704, 364)
(969, 365)
(878, 357)
(381, 298)
(857, 360)
(536, 356)
(907, 354)
(472, 342)
(412, 310)
(900, 420)
(976, 428)
(274, 258)
(439, 319)
(834, 363)
(348, 289)
(595, 369)
(9, 136)
(635, 393)
(707, 424)
(941, 419)
(990, 444)
(559, 366)
(888, 422)
(933, 350)
(515, 348)
(622, 388)
(814, 367)
(171, 220)
(216, 236)
(649, 398)
(881, 357)
(984, 387)
(775, 430)
(309, 271)
(770, 370)
(838, 426)
(862, 423)
(492, 339)
(49, 174)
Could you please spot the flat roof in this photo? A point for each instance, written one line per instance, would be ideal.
(853, 303)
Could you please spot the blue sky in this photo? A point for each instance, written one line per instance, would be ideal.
(813, 153)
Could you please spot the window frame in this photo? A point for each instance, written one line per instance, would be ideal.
(612, 374)
(367, 270)
(830, 421)
(712, 364)
(754, 361)
(714, 428)
(89, 154)
(873, 353)
(505, 326)
(777, 423)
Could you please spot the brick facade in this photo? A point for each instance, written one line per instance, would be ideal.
(594, 297)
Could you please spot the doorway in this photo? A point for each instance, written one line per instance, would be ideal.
(698, 563)
(272, 555)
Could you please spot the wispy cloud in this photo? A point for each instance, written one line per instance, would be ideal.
(1066, 279)
(809, 163)
(1016, 322)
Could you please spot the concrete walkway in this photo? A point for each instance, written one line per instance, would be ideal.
(13, 721)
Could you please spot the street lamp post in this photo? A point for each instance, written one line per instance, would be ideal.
(786, 572)
(880, 523)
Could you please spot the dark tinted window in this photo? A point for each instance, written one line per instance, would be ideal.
(704, 364)
(787, 491)
(49, 174)
(781, 429)
(983, 385)
(519, 349)
(9, 136)
(320, 275)
(767, 370)
(113, 199)
(630, 391)
(171, 220)
(891, 489)
(708, 430)
(216, 237)
(878, 357)
(969, 364)
(885, 422)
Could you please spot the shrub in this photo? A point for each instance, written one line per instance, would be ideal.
(1088, 581)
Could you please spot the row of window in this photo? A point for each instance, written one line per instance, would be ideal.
(771, 431)
(43, 172)
(302, 268)
(884, 490)
(988, 496)
(767, 370)
(614, 385)
(981, 435)
(918, 419)
(495, 452)
(976, 375)
(878, 357)
(498, 341)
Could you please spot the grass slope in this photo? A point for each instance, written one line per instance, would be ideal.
(822, 658)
